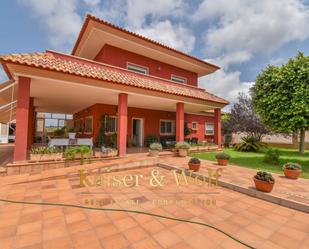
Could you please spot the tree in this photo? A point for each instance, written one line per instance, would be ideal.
(281, 97)
(243, 118)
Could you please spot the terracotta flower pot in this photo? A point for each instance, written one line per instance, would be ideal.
(263, 185)
(292, 173)
(194, 166)
(222, 162)
(182, 152)
(153, 153)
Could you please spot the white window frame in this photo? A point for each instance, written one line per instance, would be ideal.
(84, 130)
(196, 126)
(173, 127)
(213, 131)
(178, 79)
(137, 68)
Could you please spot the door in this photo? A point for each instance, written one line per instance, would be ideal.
(137, 131)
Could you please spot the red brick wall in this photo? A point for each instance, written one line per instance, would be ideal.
(151, 120)
(119, 57)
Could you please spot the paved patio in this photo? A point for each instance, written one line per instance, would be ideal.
(285, 190)
(256, 222)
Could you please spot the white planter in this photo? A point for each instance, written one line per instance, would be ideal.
(72, 135)
(182, 152)
(154, 153)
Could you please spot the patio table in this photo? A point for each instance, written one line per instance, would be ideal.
(66, 142)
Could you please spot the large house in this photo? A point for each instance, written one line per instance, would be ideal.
(142, 86)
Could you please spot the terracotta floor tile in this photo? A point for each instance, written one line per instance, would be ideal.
(284, 241)
(148, 243)
(183, 230)
(166, 238)
(124, 224)
(78, 226)
(54, 232)
(28, 239)
(59, 243)
(7, 231)
(29, 227)
(135, 234)
(106, 230)
(84, 238)
(153, 226)
(199, 241)
(116, 241)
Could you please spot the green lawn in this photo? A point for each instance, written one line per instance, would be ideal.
(255, 160)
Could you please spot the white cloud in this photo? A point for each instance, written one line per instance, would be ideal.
(225, 85)
(251, 27)
(139, 10)
(175, 36)
(60, 18)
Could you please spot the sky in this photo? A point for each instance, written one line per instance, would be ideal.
(241, 36)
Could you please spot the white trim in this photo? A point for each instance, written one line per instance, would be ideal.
(185, 80)
(7, 87)
(209, 134)
(196, 123)
(8, 104)
(141, 130)
(173, 127)
(137, 66)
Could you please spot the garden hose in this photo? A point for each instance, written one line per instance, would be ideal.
(128, 211)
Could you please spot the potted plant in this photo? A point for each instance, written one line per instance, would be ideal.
(182, 148)
(223, 158)
(264, 181)
(292, 170)
(154, 149)
(194, 164)
(72, 133)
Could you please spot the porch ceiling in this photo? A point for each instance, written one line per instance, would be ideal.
(65, 97)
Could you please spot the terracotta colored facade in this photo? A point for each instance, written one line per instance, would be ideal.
(151, 118)
(120, 58)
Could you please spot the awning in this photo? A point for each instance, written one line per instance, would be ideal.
(7, 101)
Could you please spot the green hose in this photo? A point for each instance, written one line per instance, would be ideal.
(128, 211)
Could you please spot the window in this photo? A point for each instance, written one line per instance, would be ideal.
(167, 127)
(48, 122)
(194, 125)
(209, 129)
(88, 125)
(111, 124)
(178, 79)
(137, 68)
(78, 125)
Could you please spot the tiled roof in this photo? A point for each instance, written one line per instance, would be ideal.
(77, 66)
(111, 25)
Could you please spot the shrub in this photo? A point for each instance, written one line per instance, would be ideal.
(272, 156)
(150, 139)
(222, 155)
(44, 150)
(182, 145)
(71, 152)
(195, 160)
(264, 176)
(292, 166)
(250, 143)
(156, 146)
(205, 143)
